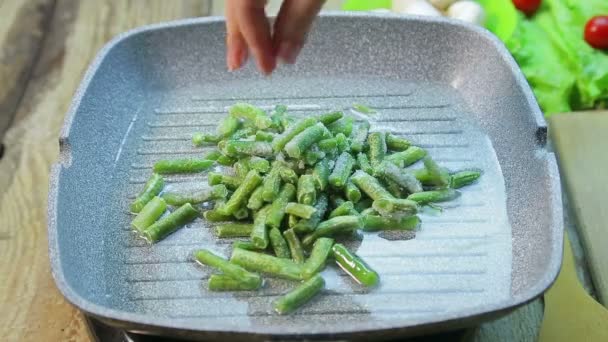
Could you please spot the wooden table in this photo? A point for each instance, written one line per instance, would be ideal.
(45, 46)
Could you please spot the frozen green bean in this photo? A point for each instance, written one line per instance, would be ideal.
(332, 227)
(182, 165)
(222, 282)
(343, 125)
(259, 233)
(387, 206)
(251, 114)
(264, 136)
(434, 196)
(394, 143)
(439, 175)
(320, 175)
(407, 157)
(306, 193)
(305, 226)
(151, 212)
(300, 210)
(404, 178)
(261, 165)
(200, 139)
(373, 223)
(377, 148)
(293, 130)
(312, 156)
(330, 117)
(213, 155)
(152, 188)
(170, 223)
(370, 185)
(277, 209)
(278, 243)
(267, 264)
(328, 145)
(256, 201)
(248, 245)
(364, 164)
(363, 204)
(240, 169)
(299, 296)
(216, 178)
(296, 147)
(195, 197)
(393, 188)
(359, 136)
(234, 148)
(345, 209)
(232, 230)
(241, 194)
(351, 192)
(288, 175)
(295, 246)
(318, 256)
(214, 215)
(241, 213)
(342, 142)
(463, 178)
(342, 170)
(354, 266)
(228, 126)
(237, 272)
(292, 220)
(272, 183)
(225, 160)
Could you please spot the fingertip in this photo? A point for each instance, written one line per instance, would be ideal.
(288, 52)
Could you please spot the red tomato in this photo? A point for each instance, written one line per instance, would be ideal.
(527, 6)
(596, 32)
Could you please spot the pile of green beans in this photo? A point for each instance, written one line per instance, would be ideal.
(292, 187)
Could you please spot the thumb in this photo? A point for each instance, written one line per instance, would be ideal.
(292, 25)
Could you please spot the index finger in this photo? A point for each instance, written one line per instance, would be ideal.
(255, 28)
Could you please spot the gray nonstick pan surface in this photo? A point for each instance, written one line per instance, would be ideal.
(449, 87)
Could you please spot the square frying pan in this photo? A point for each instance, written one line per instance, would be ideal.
(450, 87)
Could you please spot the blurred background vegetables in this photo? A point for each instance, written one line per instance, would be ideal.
(557, 43)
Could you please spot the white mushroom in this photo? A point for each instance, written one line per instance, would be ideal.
(415, 7)
(441, 4)
(469, 11)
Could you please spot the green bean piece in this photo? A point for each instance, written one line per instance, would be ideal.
(387, 206)
(259, 164)
(363, 109)
(434, 196)
(170, 223)
(370, 185)
(364, 164)
(225, 160)
(342, 169)
(328, 145)
(276, 117)
(267, 264)
(290, 132)
(330, 117)
(307, 193)
(259, 233)
(228, 126)
(345, 209)
(250, 113)
(354, 266)
(394, 143)
(295, 246)
(213, 155)
(305, 226)
(299, 296)
(241, 194)
(342, 143)
(249, 148)
(232, 230)
(278, 243)
(440, 176)
(300, 210)
(296, 147)
(151, 212)
(277, 209)
(221, 282)
(336, 200)
(318, 256)
(196, 197)
(311, 157)
(288, 175)
(153, 187)
(343, 125)
(400, 176)
(377, 148)
(248, 245)
(214, 215)
(359, 136)
(333, 226)
(463, 178)
(240, 169)
(216, 178)
(363, 204)
(407, 157)
(320, 175)
(200, 139)
(292, 220)
(369, 211)
(241, 213)
(393, 188)
(237, 272)
(272, 183)
(256, 201)
(373, 223)
(264, 136)
(243, 133)
(351, 192)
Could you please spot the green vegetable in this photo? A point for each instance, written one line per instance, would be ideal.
(318, 256)
(342, 170)
(293, 130)
(295, 246)
(344, 209)
(332, 227)
(402, 177)
(463, 178)
(278, 243)
(359, 136)
(354, 266)
(268, 264)
(439, 175)
(199, 196)
(407, 157)
(221, 282)
(259, 232)
(299, 296)
(330, 117)
(372, 223)
(152, 188)
(182, 165)
(231, 230)
(307, 193)
(255, 116)
(170, 223)
(300, 210)
(277, 209)
(434, 196)
(205, 257)
(241, 194)
(351, 192)
(305, 226)
(305, 139)
(370, 185)
(320, 175)
(387, 206)
(154, 209)
(395, 143)
(272, 183)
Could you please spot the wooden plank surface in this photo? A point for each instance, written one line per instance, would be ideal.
(580, 141)
(31, 308)
(22, 30)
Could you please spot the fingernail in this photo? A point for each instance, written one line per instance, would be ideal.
(288, 52)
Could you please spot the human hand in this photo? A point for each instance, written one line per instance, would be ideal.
(248, 31)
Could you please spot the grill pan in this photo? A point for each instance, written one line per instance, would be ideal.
(450, 87)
